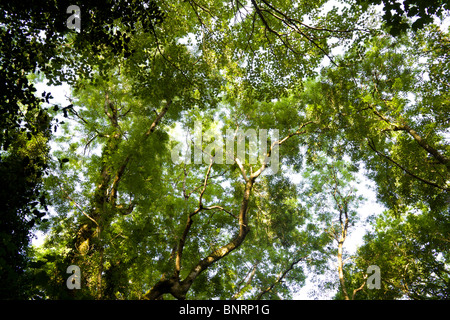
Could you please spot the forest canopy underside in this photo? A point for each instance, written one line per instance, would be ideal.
(219, 149)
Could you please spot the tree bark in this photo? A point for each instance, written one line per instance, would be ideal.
(179, 288)
(103, 204)
(341, 268)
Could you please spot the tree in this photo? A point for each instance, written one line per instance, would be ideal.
(25, 130)
(329, 189)
(23, 203)
(162, 74)
(142, 222)
(379, 106)
(415, 260)
(34, 38)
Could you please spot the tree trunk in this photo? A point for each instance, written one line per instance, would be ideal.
(341, 268)
(179, 288)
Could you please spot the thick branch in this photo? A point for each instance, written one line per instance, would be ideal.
(439, 157)
(158, 118)
(340, 262)
(109, 105)
(243, 218)
(183, 286)
(232, 245)
(360, 288)
(241, 167)
(342, 205)
(422, 143)
(115, 184)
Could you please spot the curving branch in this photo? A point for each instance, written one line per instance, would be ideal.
(372, 146)
(179, 288)
(355, 291)
(189, 222)
(280, 278)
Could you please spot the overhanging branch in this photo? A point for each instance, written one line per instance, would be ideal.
(372, 146)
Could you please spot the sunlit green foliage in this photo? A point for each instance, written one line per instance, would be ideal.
(340, 92)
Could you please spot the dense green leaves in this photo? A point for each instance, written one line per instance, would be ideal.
(417, 264)
(141, 200)
(23, 204)
(396, 13)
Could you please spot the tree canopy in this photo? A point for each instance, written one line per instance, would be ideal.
(214, 149)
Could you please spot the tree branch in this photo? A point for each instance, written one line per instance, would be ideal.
(278, 142)
(115, 184)
(77, 205)
(220, 208)
(422, 143)
(372, 146)
(432, 151)
(285, 21)
(180, 288)
(158, 118)
(249, 276)
(189, 222)
(280, 278)
(232, 245)
(360, 288)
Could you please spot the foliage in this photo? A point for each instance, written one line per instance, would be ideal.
(415, 263)
(23, 203)
(33, 39)
(377, 102)
(396, 13)
(143, 225)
